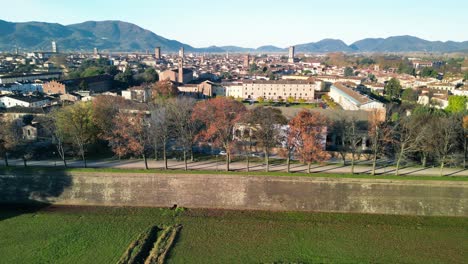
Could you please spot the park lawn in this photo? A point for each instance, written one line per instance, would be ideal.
(73, 235)
(101, 235)
(51, 170)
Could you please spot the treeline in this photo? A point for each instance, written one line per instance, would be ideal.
(422, 135)
(133, 76)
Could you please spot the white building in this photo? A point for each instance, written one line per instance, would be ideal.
(349, 99)
(9, 101)
(281, 89)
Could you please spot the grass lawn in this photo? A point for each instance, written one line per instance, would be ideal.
(34, 170)
(101, 235)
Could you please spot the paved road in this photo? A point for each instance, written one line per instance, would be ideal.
(240, 166)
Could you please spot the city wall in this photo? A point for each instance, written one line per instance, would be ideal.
(437, 198)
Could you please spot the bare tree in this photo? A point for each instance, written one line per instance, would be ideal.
(267, 123)
(57, 137)
(185, 127)
(160, 127)
(380, 134)
(406, 135)
(445, 129)
(7, 139)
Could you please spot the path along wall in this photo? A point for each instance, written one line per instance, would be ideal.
(447, 198)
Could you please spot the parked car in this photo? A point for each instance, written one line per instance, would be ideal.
(222, 153)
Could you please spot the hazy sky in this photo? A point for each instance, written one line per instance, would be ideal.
(252, 23)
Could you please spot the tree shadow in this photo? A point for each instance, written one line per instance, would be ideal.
(27, 190)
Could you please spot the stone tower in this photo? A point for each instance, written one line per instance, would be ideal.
(157, 53)
(181, 52)
(246, 61)
(54, 47)
(180, 76)
(291, 54)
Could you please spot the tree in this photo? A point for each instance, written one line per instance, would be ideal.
(422, 118)
(125, 79)
(406, 67)
(130, 136)
(163, 89)
(219, 116)
(445, 130)
(288, 150)
(406, 135)
(105, 109)
(49, 123)
(428, 72)
(261, 99)
(465, 76)
(185, 126)
(348, 71)
(76, 124)
(409, 95)
(392, 89)
(380, 135)
(465, 138)
(266, 123)
(7, 141)
(457, 104)
(161, 127)
(354, 144)
(253, 68)
(92, 71)
(372, 77)
(290, 99)
(148, 76)
(308, 135)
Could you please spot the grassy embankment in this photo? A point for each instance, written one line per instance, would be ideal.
(103, 235)
(32, 170)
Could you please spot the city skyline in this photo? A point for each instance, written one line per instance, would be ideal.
(253, 24)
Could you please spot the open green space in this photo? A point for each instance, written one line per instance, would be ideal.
(57, 234)
(51, 170)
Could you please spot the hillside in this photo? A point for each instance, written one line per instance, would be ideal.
(123, 36)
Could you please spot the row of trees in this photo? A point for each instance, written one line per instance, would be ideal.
(426, 136)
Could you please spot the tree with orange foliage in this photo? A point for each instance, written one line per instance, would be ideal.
(308, 135)
(105, 109)
(219, 115)
(163, 89)
(130, 136)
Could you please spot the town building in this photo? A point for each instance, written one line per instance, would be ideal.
(349, 99)
(95, 84)
(13, 100)
(173, 75)
(28, 78)
(274, 90)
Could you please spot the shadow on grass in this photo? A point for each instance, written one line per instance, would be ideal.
(27, 190)
(455, 172)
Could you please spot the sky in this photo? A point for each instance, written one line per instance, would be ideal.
(253, 23)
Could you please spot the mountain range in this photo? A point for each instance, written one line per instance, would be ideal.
(123, 36)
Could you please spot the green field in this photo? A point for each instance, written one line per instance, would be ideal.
(101, 235)
(51, 171)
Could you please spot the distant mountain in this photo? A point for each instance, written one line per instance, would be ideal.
(105, 35)
(407, 44)
(237, 49)
(270, 48)
(326, 45)
(123, 36)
